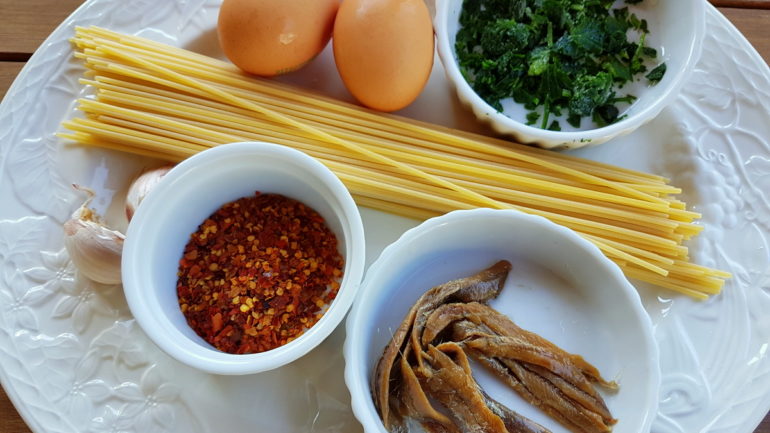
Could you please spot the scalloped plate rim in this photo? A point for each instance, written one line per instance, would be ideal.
(58, 34)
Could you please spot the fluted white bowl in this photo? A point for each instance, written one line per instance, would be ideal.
(676, 31)
(561, 287)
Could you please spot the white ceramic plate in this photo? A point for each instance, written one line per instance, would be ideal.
(73, 359)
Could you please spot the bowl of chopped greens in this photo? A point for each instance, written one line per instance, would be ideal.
(568, 73)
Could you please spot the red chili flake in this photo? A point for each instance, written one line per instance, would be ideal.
(257, 273)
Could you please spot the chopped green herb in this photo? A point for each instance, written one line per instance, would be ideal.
(554, 126)
(657, 74)
(559, 55)
(532, 117)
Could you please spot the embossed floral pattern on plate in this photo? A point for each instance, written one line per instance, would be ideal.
(74, 360)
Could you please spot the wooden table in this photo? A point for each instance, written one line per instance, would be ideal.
(25, 24)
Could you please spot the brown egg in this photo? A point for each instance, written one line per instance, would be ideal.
(270, 37)
(384, 50)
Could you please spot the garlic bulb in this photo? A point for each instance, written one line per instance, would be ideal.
(141, 186)
(95, 249)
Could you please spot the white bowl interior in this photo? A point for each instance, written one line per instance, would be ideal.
(560, 287)
(676, 29)
(190, 193)
(673, 25)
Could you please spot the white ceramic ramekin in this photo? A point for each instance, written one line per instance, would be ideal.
(191, 192)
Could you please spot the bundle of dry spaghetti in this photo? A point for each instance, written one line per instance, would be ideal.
(166, 102)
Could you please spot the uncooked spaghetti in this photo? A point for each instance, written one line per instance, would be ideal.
(166, 102)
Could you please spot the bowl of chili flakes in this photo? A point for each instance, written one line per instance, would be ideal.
(243, 258)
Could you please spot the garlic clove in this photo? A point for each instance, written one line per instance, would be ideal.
(94, 249)
(141, 186)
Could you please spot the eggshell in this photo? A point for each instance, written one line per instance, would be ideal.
(383, 50)
(270, 37)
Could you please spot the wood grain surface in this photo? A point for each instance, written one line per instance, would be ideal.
(24, 25)
(8, 71)
(10, 421)
(746, 4)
